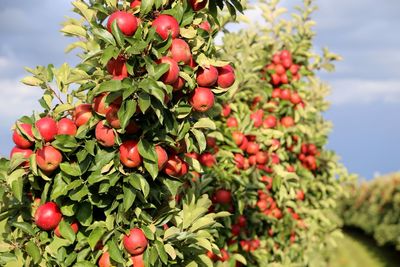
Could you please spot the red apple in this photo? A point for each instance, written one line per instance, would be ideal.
(137, 260)
(223, 196)
(202, 99)
(135, 242)
(207, 76)
(105, 135)
(285, 54)
(226, 76)
(112, 116)
(275, 79)
(285, 94)
(162, 157)
(276, 59)
(242, 221)
(180, 51)
(232, 122)
(198, 4)
(224, 255)
(257, 118)
(48, 158)
(238, 137)
(287, 63)
(47, 128)
(276, 93)
(294, 69)
(175, 166)
(245, 144)
(262, 157)
(295, 98)
(166, 25)
(25, 152)
(279, 69)
(300, 195)
(207, 159)
(135, 3)
(74, 226)
(284, 79)
(99, 104)
(252, 148)
(172, 75)
(287, 122)
(129, 154)
(67, 127)
(19, 139)
(48, 216)
(236, 229)
(268, 182)
(82, 114)
(179, 84)
(205, 25)
(126, 22)
(117, 68)
(105, 260)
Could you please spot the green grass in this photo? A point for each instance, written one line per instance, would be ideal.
(358, 250)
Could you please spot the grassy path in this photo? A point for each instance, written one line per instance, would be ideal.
(359, 250)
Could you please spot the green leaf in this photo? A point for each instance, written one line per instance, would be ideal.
(161, 251)
(126, 112)
(119, 36)
(205, 123)
(72, 169)
(144, 102)
(66, 231)
(129, 197)
(146, 6)
(148, 152)
(115, 252)
(170, 250)
(84, 214)
(25, 227)
(95, 236)
(139, 183)
(31, 81)
(33, 251)
(74, 30)
(109, 86)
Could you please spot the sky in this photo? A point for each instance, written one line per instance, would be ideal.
(365, 87)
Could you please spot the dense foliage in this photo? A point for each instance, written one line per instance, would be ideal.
(93, 177)
(374, 207)
(267, 163)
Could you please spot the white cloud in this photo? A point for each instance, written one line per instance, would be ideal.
(364, 91)
(17, 99)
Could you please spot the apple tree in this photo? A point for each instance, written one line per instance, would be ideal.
(267, 163)
(93, 178)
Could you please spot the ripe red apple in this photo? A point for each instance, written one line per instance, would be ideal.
(294, 69)
(223, 196)
(172, 75)
(287, 122)
(235, 230)
(99, 104)
(285, 54)
(48, 216)
(180, 51)
(129, 154)
(252, 148)
(137, 260)
(135, 242)
(262, 157)
(112, 116)
(82, 114)
(300, 195)
(126, 22)
(275, 158)
(207, 159)
(19, 139)
(275, 79)
(238, 137)
(295, 98)
(276, 93)
(105, 135)
(287, 63)
(285, 94)
(26, 153)
(117, 68)
(284, 79)
(48, 159)
(202, 99)
(226, 76)
(241, 221)
(245, 144)
(74, 226)
(276, 59)
(162, 157)
(175, 166)
(257, 118)
(198, 4)
(232, 122)
(268, 182)
(207, 76)
(270, 121)
(47, 128)
(166, 25)
(105, 260)
(132, 128)
(205, 25)
(178, 85)
(224, 255)
(135, 3)
(239, 161)
(279, 69)
(66, 126)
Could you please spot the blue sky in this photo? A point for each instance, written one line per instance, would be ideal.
(365, 87)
